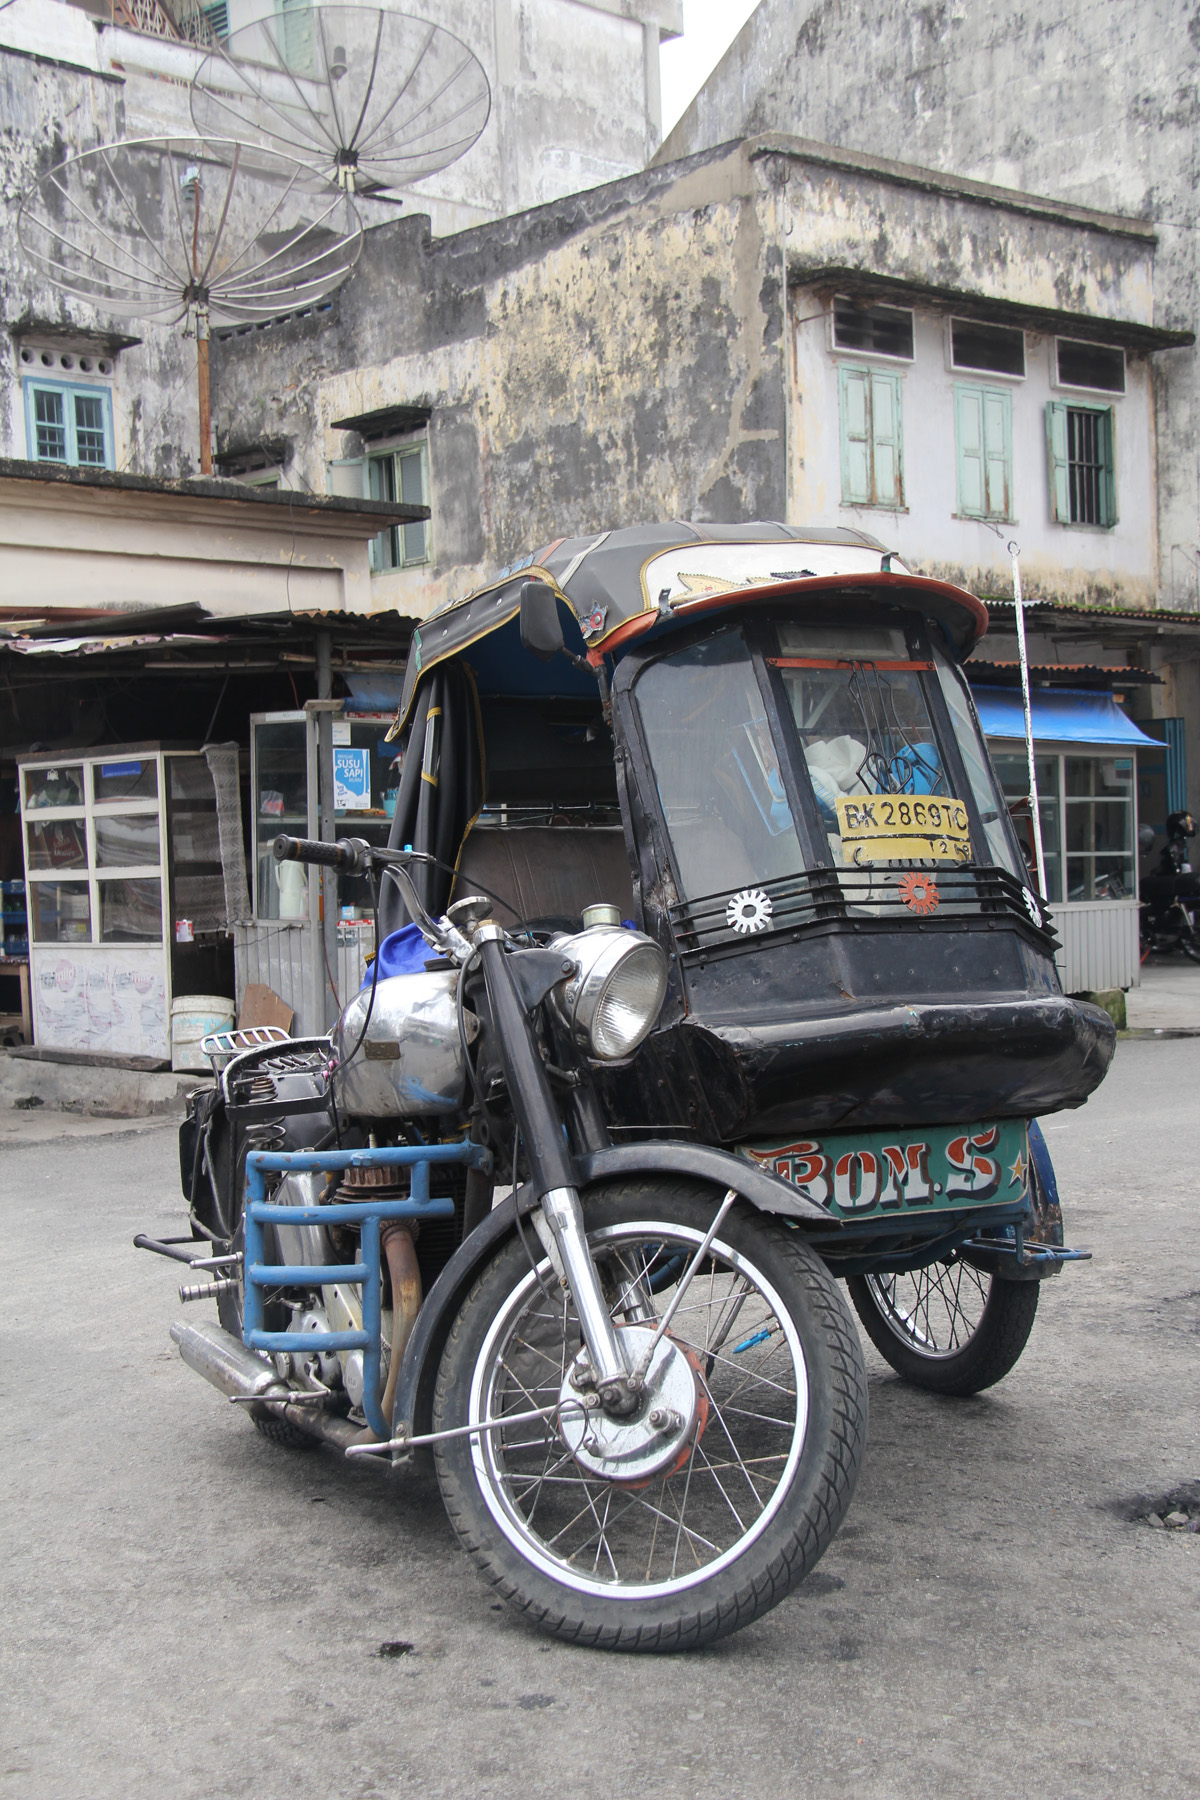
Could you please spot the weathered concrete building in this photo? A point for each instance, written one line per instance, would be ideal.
(574, 102)
(623, 354)
(1095, 105)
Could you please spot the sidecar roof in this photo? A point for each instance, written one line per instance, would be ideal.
(617, 585)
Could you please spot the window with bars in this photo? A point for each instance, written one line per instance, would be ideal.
(1080, 443)
(71, 425)
(876, 330)
(1090, 365)
(998, 348)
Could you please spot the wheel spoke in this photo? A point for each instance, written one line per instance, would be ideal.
(612, 1533)
(934, 1311)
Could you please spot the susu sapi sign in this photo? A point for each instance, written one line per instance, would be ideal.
(940, 1167)
(351, 779)
(903, 828)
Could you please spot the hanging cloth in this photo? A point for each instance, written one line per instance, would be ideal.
(441, 788)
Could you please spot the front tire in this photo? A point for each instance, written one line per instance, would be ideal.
(765, 1471)
(948, 1328)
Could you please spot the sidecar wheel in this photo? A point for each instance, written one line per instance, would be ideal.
(595, 1549)
(948, 1328)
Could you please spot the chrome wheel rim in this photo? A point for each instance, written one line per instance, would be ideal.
(693, 1519)
(933, 1312)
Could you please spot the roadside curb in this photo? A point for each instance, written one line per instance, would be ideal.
(1159, 1031)
(28, 1085)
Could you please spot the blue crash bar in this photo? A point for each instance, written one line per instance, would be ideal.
(367, 1271)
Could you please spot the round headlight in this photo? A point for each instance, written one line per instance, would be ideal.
(615, 998)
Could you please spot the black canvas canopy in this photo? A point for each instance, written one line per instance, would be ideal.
(617, 585)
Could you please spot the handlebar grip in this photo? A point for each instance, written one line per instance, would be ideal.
(308, 850)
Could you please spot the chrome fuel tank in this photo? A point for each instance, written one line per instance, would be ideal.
(411, 1060)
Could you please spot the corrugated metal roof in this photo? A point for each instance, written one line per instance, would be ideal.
(997, 602)
(1119, 672)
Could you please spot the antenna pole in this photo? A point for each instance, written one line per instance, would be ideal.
(204, 391)
(1022, 651)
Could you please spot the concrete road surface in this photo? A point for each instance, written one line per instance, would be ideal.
(190, 1613)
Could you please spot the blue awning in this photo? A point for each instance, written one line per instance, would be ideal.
(1060, 716)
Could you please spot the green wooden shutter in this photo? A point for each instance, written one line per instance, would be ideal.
(1108, 485)
(885, 440)
(854, 397)
(997, 452)
(1056, 459)
(968, 439)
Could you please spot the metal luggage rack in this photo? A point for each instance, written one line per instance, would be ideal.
(367, 1271)
(268, 1062)
(792, 904)
(221, 1047)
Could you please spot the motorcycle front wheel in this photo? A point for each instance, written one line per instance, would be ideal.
(624, 1545)
(948, 1328)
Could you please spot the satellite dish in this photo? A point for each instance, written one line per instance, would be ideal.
(157, 228)
(368, 99)
(201, 230)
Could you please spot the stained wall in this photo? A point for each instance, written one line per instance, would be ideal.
(1093, 104)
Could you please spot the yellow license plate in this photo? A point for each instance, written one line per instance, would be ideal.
(903, 828)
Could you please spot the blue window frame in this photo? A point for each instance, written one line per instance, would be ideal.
(66, 424)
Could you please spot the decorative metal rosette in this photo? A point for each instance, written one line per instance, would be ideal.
(919, 892)
(749, 911)
(1033, 908)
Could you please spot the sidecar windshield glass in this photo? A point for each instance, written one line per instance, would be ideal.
(717, 769)
(863, 720)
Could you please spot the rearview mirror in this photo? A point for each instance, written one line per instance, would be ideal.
(541, 628)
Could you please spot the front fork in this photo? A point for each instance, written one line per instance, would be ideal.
(550, 1167)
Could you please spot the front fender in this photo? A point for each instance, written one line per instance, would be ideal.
(770, 1193)
(418, 1371)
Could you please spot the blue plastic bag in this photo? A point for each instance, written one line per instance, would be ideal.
(402, 952)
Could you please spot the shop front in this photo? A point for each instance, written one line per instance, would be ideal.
(152, 744)
(1086, 753)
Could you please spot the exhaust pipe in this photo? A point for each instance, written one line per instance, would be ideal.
(222, 1359)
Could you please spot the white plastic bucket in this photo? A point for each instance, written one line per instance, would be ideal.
(193, 1016)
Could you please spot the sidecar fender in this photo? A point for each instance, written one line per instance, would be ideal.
(418, 1371)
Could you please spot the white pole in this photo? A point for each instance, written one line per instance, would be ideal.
(1019, 606)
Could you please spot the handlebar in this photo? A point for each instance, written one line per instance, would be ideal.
(355, 856)
(344, 855)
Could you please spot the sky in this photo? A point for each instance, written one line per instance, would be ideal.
(709, 27)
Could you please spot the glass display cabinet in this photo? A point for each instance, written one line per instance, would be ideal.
(124, 883)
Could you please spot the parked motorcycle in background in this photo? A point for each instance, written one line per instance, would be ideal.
(1170, 914)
